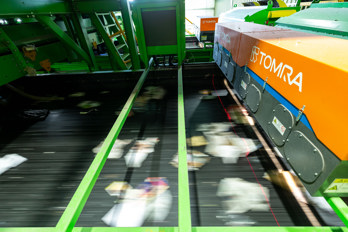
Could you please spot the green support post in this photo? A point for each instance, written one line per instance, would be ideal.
(115, 59)
(69, 27)
(127, 22)
(83, 38)
(22, 65)
(77, 202)
(180, 28)
(47, 21)
(184, 193)
(339, 207)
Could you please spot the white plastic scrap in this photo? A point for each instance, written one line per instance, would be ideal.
(195, 160)
(133, 211)
(139, 152)
(117, 150)
(10, 161)
(215, 127)
(228, 146)
(242, 195)
(150, 201)
(155, 92)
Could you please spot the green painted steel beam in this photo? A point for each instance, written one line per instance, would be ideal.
(45, 7)
(6, 40)
(184, 193)
(30, 7)
(84, 39)
(128, 22)
(180, 28)
(99, 6)
(76, 204)
(340, 208)
(115, 58)
(47, 21)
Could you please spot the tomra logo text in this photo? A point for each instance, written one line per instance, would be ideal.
(282, 70)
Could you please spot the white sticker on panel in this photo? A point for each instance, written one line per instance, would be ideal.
(278, 125)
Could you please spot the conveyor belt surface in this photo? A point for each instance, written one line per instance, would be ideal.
(59, 151)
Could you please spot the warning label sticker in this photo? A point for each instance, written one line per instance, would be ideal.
(338, 186)
(278, 125)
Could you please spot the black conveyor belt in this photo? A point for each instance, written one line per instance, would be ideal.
(59, 151)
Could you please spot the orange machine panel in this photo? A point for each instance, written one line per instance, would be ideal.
(208, 23)
(306, 69)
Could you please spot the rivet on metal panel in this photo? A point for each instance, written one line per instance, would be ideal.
(272, 138)
(315, 174)
(300, 136)
(269, 123)
(283, 141)
(284, 110)
(299, 174)
(288, 159)
(287, 140)
(273, 111)
(315, 150)
(289, 127)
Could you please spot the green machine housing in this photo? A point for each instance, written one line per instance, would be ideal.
(160, 27)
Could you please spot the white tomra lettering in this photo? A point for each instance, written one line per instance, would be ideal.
(282, 70)
(297, 81)
(278, 68)
(269, 63)
(288, 74)
(262, 55)
(254, 52)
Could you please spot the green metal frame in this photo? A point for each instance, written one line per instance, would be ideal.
(115, 58)
(184, 194)
(83, 39)
(48, 21)
(153, 5)
(127, 22)
(47, 7)
(262, 16)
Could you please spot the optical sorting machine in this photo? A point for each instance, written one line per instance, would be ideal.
(295, 85)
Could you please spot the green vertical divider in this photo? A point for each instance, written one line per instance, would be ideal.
(184, 193)
(340, 208)
(76, 204)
